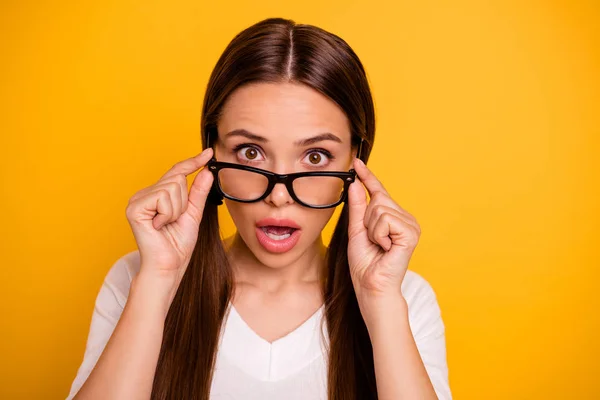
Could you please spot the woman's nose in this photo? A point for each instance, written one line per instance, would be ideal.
(279, 196)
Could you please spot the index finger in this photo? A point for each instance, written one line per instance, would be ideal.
(368, 178)
(190, 165)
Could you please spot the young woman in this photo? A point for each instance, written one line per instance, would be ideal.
(271, 312)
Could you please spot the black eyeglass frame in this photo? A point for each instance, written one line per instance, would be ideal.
(217, 194)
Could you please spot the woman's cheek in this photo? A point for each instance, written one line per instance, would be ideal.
(315, 220)
(240, 215)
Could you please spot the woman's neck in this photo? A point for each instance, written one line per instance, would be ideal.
(247, 269)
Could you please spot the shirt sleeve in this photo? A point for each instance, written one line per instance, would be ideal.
(428, 331)
(108, 307)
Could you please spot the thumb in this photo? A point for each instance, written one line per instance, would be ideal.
(198, 193)
(357, 205)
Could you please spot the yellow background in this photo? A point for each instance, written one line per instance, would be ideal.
(488, 133)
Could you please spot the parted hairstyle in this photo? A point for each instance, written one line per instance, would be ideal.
(274, 50)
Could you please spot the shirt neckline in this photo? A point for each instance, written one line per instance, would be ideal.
(272, 361)
(308, 324)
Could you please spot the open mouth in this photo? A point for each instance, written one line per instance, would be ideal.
(278, 232)
(277, 235)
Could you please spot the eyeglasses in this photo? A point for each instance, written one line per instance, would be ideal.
(245, 184)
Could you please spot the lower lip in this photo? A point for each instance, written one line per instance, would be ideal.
(277, 246)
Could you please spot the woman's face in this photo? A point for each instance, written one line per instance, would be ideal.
(267, 125)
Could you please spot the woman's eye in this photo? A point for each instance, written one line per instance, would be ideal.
(248, 153)
(318, 158)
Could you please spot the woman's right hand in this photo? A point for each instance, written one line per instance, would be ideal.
(165, 219)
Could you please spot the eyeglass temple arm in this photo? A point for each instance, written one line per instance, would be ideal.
(213, 196)
(359, 152)
(208, 137)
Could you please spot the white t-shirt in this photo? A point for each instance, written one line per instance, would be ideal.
(248, 367)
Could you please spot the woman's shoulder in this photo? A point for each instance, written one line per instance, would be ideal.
(121, 273)
(420, 296)
(414, 284)
(418, 292)
(428, 329)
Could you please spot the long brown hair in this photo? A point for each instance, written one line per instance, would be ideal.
(272, 50)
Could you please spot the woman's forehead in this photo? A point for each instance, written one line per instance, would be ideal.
(287, 111)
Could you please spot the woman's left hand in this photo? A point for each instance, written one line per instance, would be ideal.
(381, 237)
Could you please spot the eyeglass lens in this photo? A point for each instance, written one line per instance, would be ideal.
(311, 190)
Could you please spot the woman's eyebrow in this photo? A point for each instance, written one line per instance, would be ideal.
(318, 138)
(246, 134)
(303, 142)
